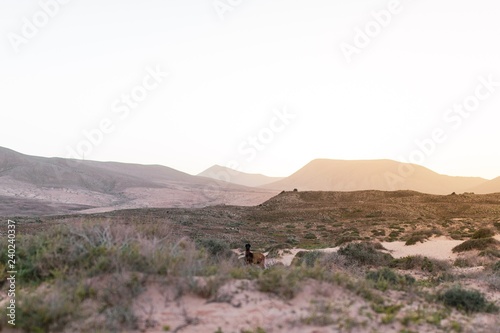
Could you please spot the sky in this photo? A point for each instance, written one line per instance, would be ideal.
(261, 86)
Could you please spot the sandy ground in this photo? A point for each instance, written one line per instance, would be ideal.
(239, 306)
(435, 248)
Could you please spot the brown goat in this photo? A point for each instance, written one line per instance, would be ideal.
(256, 258)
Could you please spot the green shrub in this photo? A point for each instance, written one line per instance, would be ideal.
(385, 278)
(346, 239)
(496, 266)
(308, 258)
(281, 281)
(483, 233)
(273, 251)
(310, 235)
(365, 253)
(421, 236)
(466, 300)
(44, 312)
(422, 263)
(490, 252)
(476, 244)
(216, 247)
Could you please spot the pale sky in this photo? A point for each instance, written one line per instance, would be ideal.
(347, 79)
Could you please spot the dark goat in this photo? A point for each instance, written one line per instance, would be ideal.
(256, 258)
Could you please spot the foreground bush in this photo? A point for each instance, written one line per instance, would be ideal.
(421, 263)
(365, 254)
(104, 265)
(307, 258)
(476, 244)
(385, 278)
(466, 300)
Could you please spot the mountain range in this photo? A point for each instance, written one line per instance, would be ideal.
(384, 175)
(31, 185)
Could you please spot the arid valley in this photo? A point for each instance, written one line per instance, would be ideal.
(336, 261)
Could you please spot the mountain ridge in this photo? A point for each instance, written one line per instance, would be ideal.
(60, 185)
(237, 177)
(383, 174)
(66, 185)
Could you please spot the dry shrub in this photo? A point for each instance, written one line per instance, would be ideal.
(483, 233)
(476, 244)
(365, 253)
(421, 263)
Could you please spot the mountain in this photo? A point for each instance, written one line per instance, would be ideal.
(385, 175)
(491, 186)
(236, 177)
(31, 184)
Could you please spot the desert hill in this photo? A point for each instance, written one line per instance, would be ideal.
(385, 175)
(63, 185)
(325, 219)
(236, 177)
(324, 261)
(490, 186)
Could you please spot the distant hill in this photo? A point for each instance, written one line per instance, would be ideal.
(385, 175)
(491, 186)
(237, 177)
(60, 185)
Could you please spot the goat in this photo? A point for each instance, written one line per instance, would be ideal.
(256, 258)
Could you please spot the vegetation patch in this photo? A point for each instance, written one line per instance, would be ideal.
(476, 244)
(421, 263)
(365, 253)
(483, 233)
(467, 300)
(421, 236)
(385, 278)
(281, 281)
(306, 258)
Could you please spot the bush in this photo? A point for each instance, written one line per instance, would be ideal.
(421, 236)
(483, 233)
(496, 267)
(273, 251)
(216, 247)
(385, 278)
(310, 235)
(466, 300)
(422, 263)
(308, 258)
(281, 281)
(476, 244)
(365, 254)
(44, 312)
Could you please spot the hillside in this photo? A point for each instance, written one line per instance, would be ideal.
(60, 185)
(323, 219)
(329, 254)
(236, 177)
(491, 186)
(384, 175)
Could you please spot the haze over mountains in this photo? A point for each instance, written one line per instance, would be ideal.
(237, 177)
(384, 175)
(39, 185)
(31, 185)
